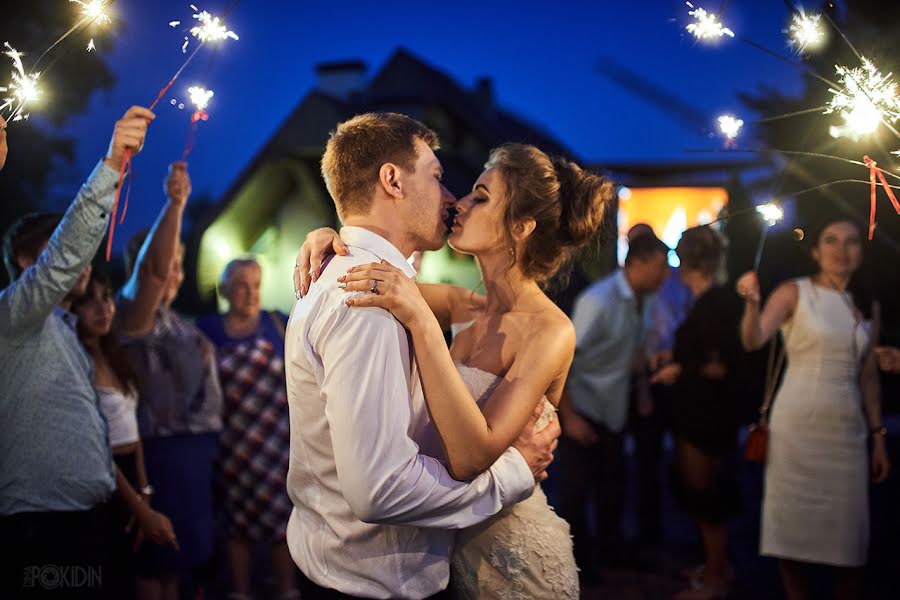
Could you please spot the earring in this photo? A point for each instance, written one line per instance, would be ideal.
(512, 251)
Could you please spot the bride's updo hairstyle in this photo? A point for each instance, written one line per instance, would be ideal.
(568, 205)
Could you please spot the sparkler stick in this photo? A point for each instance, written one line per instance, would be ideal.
(200, 98)
(210, 29)
(91, 12)
(771, 213)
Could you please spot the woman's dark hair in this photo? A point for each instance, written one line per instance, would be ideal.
(569, 206)
(109, 343)
(700, 249)
(25, 237)
(859, 288)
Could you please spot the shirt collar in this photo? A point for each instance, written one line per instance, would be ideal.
(623, 286)
(67, 317)
(377, 245)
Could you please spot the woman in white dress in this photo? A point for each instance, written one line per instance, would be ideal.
(525, 216)
(816, 504)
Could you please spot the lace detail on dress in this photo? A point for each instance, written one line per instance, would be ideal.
(523, 552)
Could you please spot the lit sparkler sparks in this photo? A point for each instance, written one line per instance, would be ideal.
(200, 96)
(730, 126)
(22, 89)
(866, 99)
(93, 11)
(805, 32)
(90, 46)
(706, 25)
(209, 28)
(770, 212)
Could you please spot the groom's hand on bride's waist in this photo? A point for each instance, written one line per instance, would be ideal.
(537, 447)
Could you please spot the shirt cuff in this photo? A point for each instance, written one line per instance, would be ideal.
(100, 187)
(513, 477)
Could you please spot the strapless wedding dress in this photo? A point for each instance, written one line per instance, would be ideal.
(524, 551)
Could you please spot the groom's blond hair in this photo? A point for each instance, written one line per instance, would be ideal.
(358, 148)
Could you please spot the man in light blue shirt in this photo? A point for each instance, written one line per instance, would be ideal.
(56, 467)
(609, 318)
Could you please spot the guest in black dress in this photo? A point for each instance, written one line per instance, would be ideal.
(704, 380)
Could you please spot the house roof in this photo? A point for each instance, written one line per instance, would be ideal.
(405, 83)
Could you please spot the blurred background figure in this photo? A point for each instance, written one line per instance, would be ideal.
(705, 386)
(116, 385)
(179, 415)
(254, 448)
(816, 497)
(609, 319)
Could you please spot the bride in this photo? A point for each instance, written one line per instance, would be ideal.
(526, 216)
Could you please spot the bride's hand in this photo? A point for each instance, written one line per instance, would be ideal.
(319, 245)
(386, 287)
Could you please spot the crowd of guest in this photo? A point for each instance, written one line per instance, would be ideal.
(132, 441)
(156, 448)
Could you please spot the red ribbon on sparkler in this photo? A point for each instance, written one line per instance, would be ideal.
(199, 115)
(126, 162)
(875, 172)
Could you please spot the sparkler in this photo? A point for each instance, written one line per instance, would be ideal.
(804, 31)
(22, 89)
(730, 126)
(209, 29)
(200, 98)
(94, 11)
(866, 98)
(706, 25)
(90, 46)
(771, 213)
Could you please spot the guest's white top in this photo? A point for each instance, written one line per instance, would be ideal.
(373, 510)
(120, 411)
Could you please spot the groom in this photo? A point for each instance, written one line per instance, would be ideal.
(374, 512)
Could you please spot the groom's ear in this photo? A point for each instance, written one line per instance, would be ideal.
(389, 180)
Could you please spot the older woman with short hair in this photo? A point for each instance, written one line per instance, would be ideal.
(255, 443)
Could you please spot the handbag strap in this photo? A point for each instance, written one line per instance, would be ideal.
(773, 370)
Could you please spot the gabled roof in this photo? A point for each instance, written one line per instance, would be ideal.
(405, 83)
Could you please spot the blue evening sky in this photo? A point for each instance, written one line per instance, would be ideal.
(542, 57)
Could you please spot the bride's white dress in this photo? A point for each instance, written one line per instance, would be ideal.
(524, 551)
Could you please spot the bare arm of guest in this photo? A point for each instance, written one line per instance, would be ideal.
(472, 438)
(871, 393)
(144, 290)
(758, 327)
(153, 525)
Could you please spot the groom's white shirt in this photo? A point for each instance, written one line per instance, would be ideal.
(373, 513)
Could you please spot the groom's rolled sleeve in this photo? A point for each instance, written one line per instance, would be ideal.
(366, 384)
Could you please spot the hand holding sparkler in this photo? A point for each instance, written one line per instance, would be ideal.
(128, 136)
(178, 183)
(748, 287)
